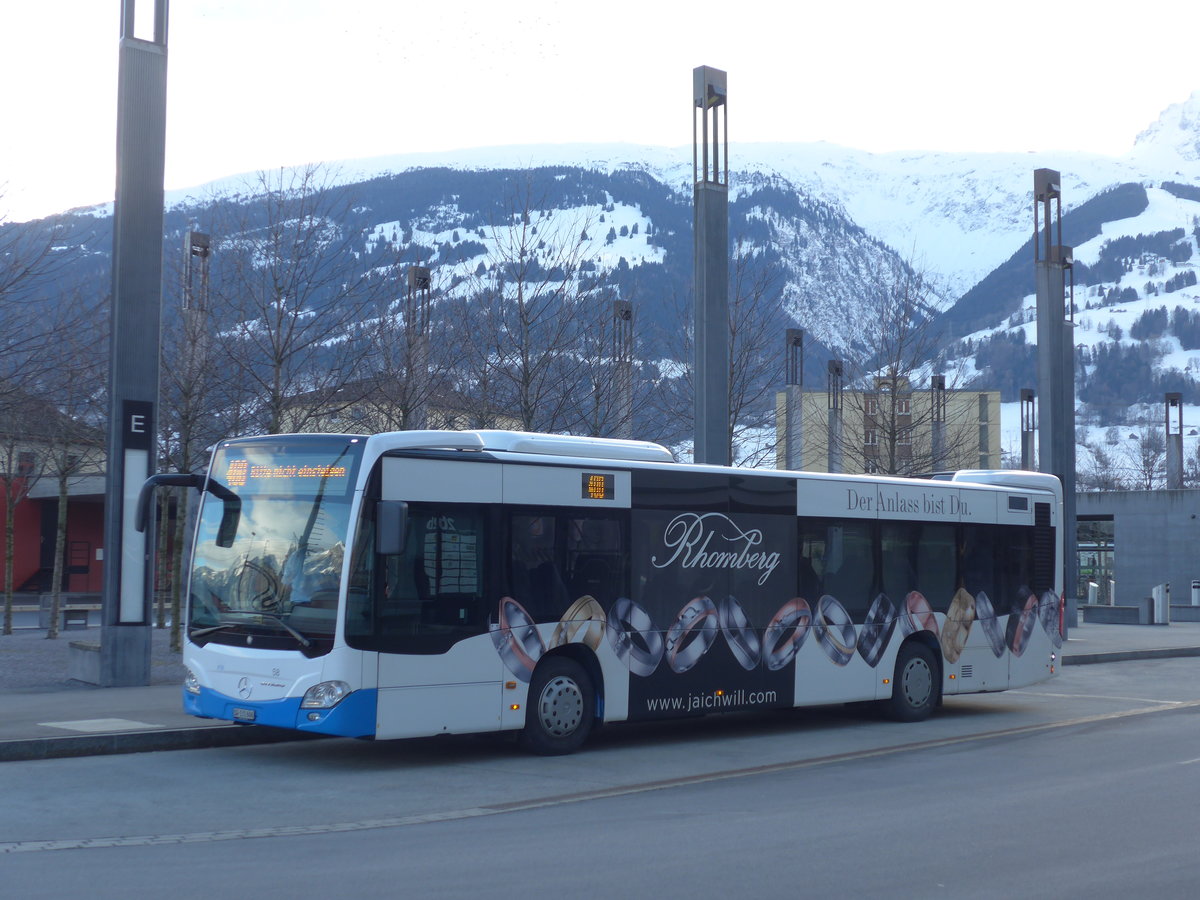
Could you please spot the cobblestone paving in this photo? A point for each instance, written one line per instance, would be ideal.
(29, 661)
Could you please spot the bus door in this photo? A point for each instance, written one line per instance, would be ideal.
(437, 671)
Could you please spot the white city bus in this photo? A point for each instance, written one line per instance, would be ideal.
(437, 582)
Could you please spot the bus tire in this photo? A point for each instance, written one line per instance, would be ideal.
(915, 686)
(561, 708)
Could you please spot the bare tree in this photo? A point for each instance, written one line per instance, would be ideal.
(607, 402)
(525, 311)
(1191, 468)
(194, 413)
(408, 371)
(1097, 469)
(1145, 457)
(74, 442)
(31, 257)
(20, 468)
(890, 417)
(756, 323)
(293, 293)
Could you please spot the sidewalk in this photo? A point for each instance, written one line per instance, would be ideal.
(44, 715)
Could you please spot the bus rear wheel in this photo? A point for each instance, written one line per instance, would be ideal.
(915, 687)
(561, 708)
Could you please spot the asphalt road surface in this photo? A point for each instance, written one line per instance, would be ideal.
(1084, 786)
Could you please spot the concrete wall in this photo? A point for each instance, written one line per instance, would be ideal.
(1156, 538)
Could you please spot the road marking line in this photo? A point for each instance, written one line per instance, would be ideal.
(1098, 697)
(475, 812)
(101, 726)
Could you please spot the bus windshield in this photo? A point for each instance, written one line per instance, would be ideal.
(273, 583)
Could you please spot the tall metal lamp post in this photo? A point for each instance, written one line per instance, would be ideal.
(710, 172)
(1056, 356)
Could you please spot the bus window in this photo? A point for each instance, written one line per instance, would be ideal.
(535, 567)
(430, 596)
(981, 546)
(850, 567)
(1016, 568)
(899, 542)
(937, 564)
(595, 559)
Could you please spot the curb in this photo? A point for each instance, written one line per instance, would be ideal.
(1087, 659)
(202, 738)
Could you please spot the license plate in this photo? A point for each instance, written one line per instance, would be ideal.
(244, 715)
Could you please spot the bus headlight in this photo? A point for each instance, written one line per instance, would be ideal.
(325, 695)
(191, 683)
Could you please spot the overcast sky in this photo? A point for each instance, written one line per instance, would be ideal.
(255, 84)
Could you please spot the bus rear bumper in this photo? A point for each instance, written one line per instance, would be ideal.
(354, 716)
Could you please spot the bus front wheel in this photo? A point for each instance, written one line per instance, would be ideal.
(561, 708)
(915, 687)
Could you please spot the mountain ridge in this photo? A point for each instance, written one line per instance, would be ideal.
(823, 215)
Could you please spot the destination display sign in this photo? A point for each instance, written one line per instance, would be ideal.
(256, 470)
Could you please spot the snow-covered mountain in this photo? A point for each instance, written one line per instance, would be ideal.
(958, 215)
(825, 216)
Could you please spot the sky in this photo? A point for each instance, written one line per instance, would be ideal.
(258, 84)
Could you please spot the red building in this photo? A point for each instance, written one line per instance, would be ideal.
(35, 522)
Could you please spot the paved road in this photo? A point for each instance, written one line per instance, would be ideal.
(1050, 789)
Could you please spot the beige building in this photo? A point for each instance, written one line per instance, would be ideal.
(888, 432)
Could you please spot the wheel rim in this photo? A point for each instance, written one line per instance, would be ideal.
(916, 682)
(560, 706)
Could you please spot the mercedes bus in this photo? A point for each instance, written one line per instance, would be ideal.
(442, 582)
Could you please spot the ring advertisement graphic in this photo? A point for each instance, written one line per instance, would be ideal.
(918, 615)
(633, 637)
(1021, 624)
(583, 622)
(835, 630)
(958, 625)
(740, 634)
(516, 638)
(691, 634)
(986, 614)
(1048, 612)
(786, 632)
(877, 630)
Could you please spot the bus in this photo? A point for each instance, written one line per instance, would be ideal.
(444, 582)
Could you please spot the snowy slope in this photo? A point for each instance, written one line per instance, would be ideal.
(956, 216)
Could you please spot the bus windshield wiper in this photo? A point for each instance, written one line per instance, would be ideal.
(300, 638)
(304, 642)
(200, 632)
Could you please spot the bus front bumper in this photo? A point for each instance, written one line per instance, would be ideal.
(354, 716)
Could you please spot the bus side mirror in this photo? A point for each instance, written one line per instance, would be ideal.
(231, 514)
(181, 479)
(231, 503)
(391, 527)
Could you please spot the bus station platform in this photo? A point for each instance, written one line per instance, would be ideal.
(46, 715)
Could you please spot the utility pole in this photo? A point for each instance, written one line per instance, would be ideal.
(1056, 356)
(134, 346)
(836, 372)
(416, 335)
(710, 172)
(622, 354)
(793, 416)
(1028, 429)
(1174, 436)
(937, 404)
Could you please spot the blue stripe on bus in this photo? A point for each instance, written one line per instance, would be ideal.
(353, 717)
